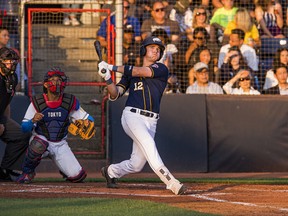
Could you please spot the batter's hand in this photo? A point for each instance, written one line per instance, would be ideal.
(2, 128)
(37, 117)
(105, 65)
(106, 76)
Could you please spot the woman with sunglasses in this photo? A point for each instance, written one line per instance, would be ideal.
(233, 63)
(200, 19)
(243, 79)
(200, 37)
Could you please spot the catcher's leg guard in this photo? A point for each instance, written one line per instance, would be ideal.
(33, 155)
(171, 183)
(79, 178)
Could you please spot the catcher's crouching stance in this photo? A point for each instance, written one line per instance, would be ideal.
(48, 117)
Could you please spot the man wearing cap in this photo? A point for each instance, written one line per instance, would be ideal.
(202, 84)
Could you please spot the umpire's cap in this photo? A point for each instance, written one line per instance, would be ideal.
(149, 41)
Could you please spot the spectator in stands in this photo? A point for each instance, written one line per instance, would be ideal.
(131, 53)
(244, 87)
(237, 39)
(172, 85)
(107, 5)
(182, 14)
(159, 20)
(102, 32)
(217, 4)
(70, 18)
(200, 38)
(281, 56)
(200, 19)
(143, 10)
(233, 63)
(202, 84)
(285, 30)
(220, 20)
(170, 49)
(281, 74)
(269, 16)
(242, 20)
(203, 54)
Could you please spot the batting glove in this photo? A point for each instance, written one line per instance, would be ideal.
(106, 76)
(105, 65)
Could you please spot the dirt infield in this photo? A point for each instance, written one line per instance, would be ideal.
(223, 199)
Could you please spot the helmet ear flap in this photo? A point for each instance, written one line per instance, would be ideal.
(142, 51)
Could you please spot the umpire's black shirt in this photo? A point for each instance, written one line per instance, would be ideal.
(7, 91)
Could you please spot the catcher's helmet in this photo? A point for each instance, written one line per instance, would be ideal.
(55, 71)
(149, 41)
(8, 54)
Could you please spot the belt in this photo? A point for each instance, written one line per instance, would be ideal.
(145, 113)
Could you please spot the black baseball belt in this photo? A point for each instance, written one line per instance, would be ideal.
(145, 113)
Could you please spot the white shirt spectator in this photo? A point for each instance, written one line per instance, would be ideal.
(248, 53)
(211, 88)
(239, 91)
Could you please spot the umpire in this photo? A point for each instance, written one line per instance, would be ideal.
(10, 131)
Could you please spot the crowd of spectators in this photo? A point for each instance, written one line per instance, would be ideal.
(223, 35)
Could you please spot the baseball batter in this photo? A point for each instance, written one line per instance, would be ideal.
(146, 85)
(48, 117)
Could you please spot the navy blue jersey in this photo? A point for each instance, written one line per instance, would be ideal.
(146, 92)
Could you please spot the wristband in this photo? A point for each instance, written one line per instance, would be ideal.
(128, 70)
(109, 81)
(114, 68)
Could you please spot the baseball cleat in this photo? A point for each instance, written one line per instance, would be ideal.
(25, 178)
(182, 191)
(111, 182)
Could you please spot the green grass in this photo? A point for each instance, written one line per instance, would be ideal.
(88, 207)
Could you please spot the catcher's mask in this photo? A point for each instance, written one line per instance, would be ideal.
(8, 56)
(55, 87)
(149, 41)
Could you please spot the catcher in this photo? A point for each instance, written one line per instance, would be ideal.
(48, 117)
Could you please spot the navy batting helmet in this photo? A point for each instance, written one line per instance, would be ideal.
(149, 41)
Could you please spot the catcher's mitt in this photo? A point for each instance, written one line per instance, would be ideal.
(84, 128)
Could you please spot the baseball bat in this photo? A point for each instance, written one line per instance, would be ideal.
(97, 47)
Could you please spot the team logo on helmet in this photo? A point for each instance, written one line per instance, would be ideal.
(155, 39)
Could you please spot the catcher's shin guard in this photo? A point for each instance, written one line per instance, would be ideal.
(33, 155)
(171, 183)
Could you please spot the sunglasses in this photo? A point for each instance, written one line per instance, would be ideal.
(159, 9)
(245, 78)
(199, 38)
(127, 7)
(198, 14)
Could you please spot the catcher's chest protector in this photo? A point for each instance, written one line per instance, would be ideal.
(54, 124)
